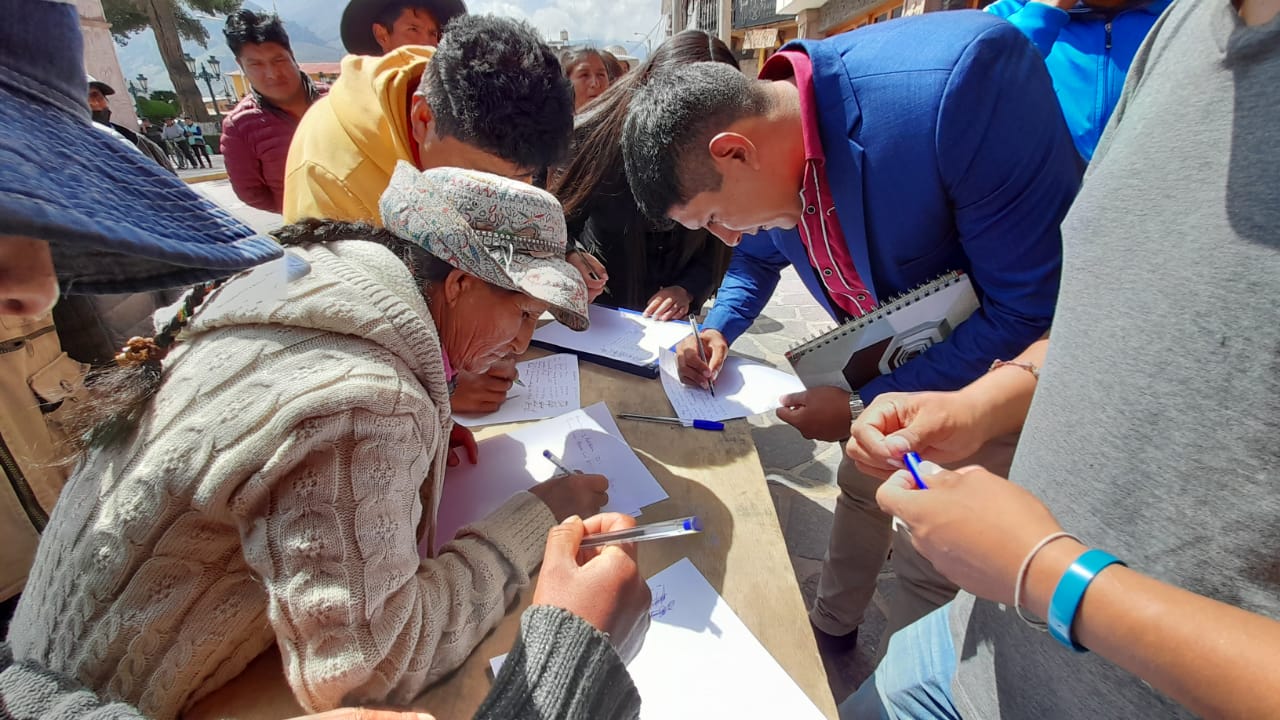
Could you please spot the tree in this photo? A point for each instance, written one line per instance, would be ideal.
(155, 110)
(171, 21)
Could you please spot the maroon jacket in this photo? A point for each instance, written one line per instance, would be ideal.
(255, 145)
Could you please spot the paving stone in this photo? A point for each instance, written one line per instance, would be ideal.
(765, 324)
(781, 446)
(808, 527)
(826, 461)
(807, 572)
(813, 312)
(777, 345)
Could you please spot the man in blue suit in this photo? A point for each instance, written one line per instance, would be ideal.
(872, 162)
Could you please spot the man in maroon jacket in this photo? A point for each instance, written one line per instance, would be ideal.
(257, 132)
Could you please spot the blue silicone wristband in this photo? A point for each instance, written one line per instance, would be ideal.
(1070, 591)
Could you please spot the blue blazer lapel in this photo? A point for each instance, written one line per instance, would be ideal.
(839, 117)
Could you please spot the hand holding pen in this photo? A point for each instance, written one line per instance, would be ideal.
(701, 356)
(571, 492)
(601, 585)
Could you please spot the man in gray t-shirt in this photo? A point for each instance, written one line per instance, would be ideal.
(1155, 430)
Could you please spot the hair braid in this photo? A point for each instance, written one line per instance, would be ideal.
(118, 395)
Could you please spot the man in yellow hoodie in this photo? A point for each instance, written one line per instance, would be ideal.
(492, 97)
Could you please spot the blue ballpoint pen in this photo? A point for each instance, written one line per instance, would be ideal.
(696, 424)
(912, 461)
(559, 463)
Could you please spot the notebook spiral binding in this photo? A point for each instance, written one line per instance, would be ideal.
(896, 303)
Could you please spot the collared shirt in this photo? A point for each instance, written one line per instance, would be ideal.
(820, 226)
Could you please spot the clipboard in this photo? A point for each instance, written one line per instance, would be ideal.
(888, 337)
(618, 338)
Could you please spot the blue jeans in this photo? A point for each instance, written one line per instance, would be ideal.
(913, 681)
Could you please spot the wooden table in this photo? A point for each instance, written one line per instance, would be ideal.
(742, 554)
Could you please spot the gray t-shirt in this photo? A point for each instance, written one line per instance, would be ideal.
(1155, 431)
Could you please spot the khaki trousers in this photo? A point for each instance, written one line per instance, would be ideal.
(861, 537)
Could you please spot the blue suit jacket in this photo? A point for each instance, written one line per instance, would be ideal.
(945, 150)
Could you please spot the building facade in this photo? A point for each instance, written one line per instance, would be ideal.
(757, 28)
(101, 62)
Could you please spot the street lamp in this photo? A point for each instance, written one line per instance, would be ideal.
(208, 78)
(142, 83)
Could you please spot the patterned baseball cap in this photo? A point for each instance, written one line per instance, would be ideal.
(508, 233)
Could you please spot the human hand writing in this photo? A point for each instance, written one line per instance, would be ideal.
(601, 585)
(577, 494)
(480, 394)
(462, 437)
(942, 426)
(669, 303)
(820, 413)
(593, 272)
(975, 527)
(693, 370)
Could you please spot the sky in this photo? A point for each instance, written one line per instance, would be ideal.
(313, 29)
(604, 21)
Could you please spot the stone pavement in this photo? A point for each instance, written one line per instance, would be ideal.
(201, 174)
(802, 473)
(221, 193)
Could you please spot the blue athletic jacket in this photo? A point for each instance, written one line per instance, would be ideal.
(945, 151)
(1088, 53)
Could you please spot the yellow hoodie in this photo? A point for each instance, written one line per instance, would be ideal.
(348, 143)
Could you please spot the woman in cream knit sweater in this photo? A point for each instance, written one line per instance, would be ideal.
(276, 487)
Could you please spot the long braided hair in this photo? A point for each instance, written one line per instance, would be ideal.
(118, 396)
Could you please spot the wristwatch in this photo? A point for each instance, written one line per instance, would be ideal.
(855, 405)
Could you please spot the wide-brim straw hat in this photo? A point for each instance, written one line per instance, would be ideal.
(358, 17)
(508, 233)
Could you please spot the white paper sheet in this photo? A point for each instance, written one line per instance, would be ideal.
(617, 334)
(550, 389)
(700, 661)
(586, 440)
(743, 388)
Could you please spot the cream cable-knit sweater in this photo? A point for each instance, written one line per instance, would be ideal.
(272, 493)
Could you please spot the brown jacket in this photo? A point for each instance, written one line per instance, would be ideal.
(38, 383)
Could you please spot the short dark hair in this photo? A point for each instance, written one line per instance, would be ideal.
(669, 125)
(247, 27)
(494, 84)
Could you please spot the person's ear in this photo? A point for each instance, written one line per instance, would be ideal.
(420, 119)
(456, 285)
(731, 150)
(382, 35)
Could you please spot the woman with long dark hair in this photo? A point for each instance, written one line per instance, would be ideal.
(665, 271)
(587, 70)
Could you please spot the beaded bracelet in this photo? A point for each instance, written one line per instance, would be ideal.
(1022, 577)
(1029, 367)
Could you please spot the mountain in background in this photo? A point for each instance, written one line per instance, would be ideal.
(313, 32)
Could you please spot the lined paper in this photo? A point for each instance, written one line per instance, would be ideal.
(550, 388)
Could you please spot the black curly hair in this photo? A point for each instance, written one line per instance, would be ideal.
(494, 84)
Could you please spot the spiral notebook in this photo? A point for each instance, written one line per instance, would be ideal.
(888, 337)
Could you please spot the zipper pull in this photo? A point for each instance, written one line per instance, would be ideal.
(1108, 29)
